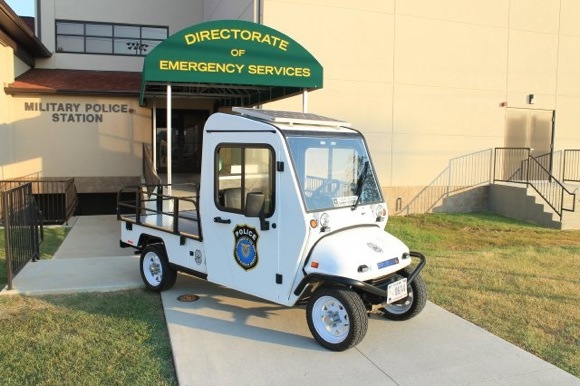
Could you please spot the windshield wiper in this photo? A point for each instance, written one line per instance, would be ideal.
(359, 184)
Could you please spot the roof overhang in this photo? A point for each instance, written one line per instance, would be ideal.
(231, 61)
(16, 33)
(76, 82)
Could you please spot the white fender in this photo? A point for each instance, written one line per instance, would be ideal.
(361, 253)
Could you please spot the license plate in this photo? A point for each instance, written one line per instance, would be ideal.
(397, 291)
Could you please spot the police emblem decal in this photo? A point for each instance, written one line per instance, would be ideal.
(246, 246)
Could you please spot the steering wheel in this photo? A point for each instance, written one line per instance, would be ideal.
(322, 196)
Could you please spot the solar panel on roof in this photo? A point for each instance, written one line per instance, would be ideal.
(290, 117)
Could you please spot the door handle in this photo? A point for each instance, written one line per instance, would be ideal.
(222, 220)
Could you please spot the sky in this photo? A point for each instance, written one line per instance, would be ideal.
(22, 7)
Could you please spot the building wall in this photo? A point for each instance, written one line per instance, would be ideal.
(429, 83)
(425, 81)
(231, 10)
(6, 76)
(11, 67)
(177, 15)
(60, 136)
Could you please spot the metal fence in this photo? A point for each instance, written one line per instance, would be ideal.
(56, 198)
(571, 166)
(465, 172)
(510, 164)
(22, 228)
(519, 166)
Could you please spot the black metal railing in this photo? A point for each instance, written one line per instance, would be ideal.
(510, 164)
(177, 214)
(549, 188)
(519, 166)
(571, 165)
(56, 198)
(23, 230)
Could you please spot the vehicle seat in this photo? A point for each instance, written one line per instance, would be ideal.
(233, 198)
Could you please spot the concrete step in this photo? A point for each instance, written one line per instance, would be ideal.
(514, 201)
(569, 220)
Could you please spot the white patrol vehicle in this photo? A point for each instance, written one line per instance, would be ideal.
(288, 209)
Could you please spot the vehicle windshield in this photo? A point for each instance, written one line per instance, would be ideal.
(333, 172)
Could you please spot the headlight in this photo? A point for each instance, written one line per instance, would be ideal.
(380, 213)
(324, 222)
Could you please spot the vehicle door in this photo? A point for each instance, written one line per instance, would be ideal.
(242, 247)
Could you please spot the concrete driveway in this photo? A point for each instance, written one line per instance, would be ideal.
(228, 338)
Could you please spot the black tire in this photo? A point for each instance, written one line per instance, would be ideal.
(337, 318)
(410, 306)
(155, 270)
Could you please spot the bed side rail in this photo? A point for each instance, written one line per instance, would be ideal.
(153, 207)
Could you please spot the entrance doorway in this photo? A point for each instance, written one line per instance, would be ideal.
(534, 129)
(186, 139)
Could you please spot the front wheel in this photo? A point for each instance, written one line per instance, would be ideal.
(156, 272)
(337, 318)
(410, 306)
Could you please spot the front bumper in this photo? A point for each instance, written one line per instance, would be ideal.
(356, 284)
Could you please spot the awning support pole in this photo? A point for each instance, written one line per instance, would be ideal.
(154, 137)
(304, 101)
(169, 134)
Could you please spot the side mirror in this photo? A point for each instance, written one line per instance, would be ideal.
(254, 204)
(255, 208)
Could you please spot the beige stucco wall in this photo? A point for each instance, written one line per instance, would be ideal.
(11, 67)
(6, 75)
(424, 80)
(96, 137)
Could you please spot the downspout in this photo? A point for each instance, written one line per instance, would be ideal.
(258, 11)
(154, 137)
(37, 21)
(169, 134)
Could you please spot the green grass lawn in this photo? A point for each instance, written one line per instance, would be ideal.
(518, 281)
(83, 339)
(116, 338)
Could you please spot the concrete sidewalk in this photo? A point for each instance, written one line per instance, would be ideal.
(228, 338)
(89, 259)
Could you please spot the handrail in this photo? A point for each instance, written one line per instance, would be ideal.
(571, 165)
(550, 189)
(517, 165)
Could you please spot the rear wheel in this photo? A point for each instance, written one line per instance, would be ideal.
(337, 318)
(410, 306)
(156, 272)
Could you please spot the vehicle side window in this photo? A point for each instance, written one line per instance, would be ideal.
(243, 169)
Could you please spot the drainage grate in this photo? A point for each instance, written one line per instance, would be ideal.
(188, 298)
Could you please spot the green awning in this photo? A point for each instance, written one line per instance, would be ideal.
(232, 61)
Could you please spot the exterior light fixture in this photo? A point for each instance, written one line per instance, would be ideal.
(531, 99)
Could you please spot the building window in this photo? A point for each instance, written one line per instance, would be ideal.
(110, 39)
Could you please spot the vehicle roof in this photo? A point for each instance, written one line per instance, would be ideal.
(245, 119)
(291, 117)
(296, 121)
